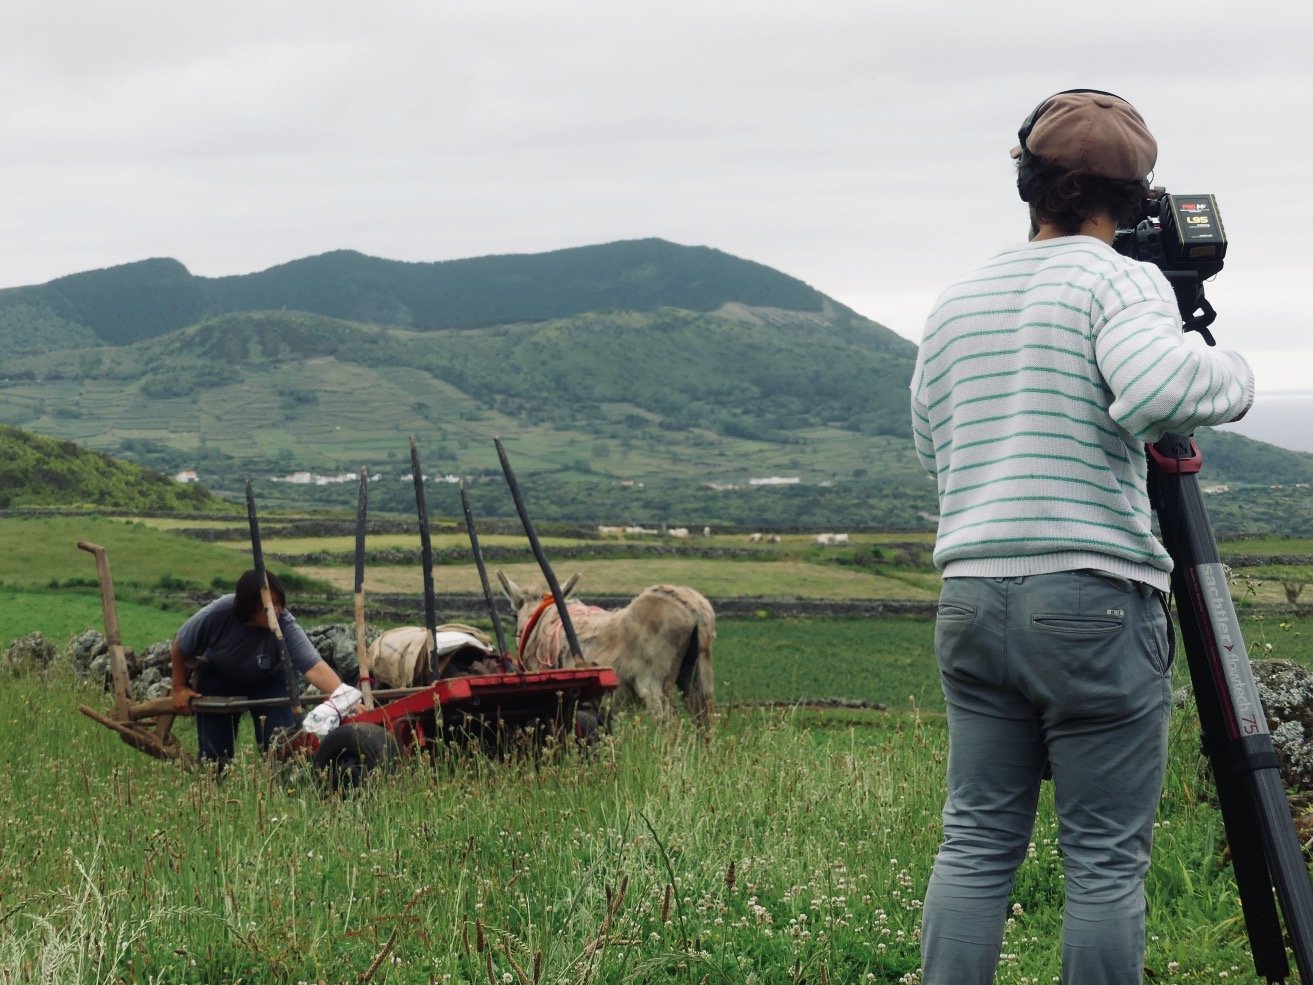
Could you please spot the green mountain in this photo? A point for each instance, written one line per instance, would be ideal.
(630, 382)
(136, 301)
(40, 471)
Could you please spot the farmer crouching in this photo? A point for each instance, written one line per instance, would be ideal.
(235, 654)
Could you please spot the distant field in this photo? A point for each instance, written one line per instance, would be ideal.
(382, 542)
(42, 551)
(1272, 546)
(149, 553)
(60, 615)
(787, 543)
(776, 579)
(48, 585)
(186, 523)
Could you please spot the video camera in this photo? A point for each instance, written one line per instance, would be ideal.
(1183, 236)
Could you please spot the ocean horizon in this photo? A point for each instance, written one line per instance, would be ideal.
(1280, 417)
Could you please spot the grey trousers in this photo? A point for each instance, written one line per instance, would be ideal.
(1073, 670)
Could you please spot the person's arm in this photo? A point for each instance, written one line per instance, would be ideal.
(192, 640)
(323, 677)
(923, 439)
(182, 692)
(1161, 380)
(922, 433)
(305, 658)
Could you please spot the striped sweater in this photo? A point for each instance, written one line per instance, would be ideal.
(1040, 378)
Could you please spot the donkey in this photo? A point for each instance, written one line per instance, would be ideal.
(659, 641)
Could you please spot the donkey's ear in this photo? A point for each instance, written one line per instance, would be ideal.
(511, 589)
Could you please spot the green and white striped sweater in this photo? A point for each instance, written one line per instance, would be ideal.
(1040, 378)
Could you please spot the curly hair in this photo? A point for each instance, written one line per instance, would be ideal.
(1065, 198)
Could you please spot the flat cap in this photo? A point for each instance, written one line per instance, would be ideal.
(1090, 131)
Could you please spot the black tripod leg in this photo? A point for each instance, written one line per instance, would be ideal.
(1244, 836)
(1265, 851)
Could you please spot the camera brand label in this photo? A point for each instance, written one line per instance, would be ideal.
(1226, 652)
(1194, 217)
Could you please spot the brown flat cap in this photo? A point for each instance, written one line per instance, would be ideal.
(1090, 131)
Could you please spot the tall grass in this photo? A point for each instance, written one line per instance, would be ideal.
(777, 852)
(653, 857)
(887, 660)
(792, 848)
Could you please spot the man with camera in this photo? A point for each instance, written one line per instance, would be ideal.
(1040, 378)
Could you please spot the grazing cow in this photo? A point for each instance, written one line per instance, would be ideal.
(659, 641)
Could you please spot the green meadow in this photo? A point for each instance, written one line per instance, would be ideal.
(792, 846)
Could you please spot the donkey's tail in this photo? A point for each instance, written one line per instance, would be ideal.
(696, 681)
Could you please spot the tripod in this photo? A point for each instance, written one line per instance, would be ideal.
(1265, 850)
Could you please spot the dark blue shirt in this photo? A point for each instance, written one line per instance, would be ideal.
(228, 646)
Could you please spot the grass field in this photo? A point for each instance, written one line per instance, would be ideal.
(43, 551)
(716, 579)
(1274, 546)
(49, 586)
(146, 553)
(783, 851)
(60, 615)
(403, 542)
(793, 848)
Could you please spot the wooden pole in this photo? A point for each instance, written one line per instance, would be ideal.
(488, 598)
(362, 652)
(426, 562)
(266, 597)
(553, 586)
(118, 663)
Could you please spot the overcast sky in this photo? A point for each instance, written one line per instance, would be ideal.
(860, 145)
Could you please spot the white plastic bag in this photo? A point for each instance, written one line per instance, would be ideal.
(326, 715)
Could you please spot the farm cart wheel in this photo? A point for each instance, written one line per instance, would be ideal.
(590, 724)
(349, 753)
